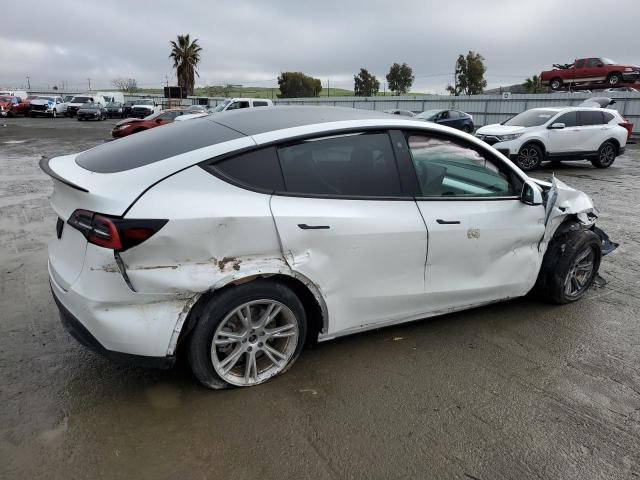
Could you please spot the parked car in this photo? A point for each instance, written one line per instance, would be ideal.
(135, 125)
(239, 103)
(238, 237)
(620, 90)
(404, 113)
(67, 99)
(126, 108)
(144, 107)
(590, 70)
(115, 109)
(560, 133)
(92, 111)
(10, 106)
(450, 118)
(50, 106)
(79, 100)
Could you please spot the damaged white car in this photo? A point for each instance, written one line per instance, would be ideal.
(241, 236)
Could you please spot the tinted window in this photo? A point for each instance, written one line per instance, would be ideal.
(349, 165)
(447, 169)
(154, 145)
(593, 62)
(569, 119)
(607, 117)
(237, 105)
(258, 169)
(590, 117)
(260, 104)
(580, 64)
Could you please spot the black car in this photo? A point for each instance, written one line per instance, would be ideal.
(115, 109)
(126, 108)
(450, 118)
(92, 111)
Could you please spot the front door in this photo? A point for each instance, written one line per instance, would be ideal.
(567, 139)
(483, 241)
(345, 224)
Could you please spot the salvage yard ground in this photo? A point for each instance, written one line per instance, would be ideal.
(516, 390)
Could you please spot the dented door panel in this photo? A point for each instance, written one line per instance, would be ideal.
(491, 254)
(369, 262)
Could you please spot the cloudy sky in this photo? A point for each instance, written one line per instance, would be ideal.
(250, 42)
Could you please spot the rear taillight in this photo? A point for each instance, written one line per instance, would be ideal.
(118, 234)
(629, 126)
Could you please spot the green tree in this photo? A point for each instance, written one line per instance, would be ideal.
(470, 71)
(365, 84)
(297, 84)
(400, 78)
(534, 85)
(186, 56)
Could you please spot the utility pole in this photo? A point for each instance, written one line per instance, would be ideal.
(89, 81)
(166, 77)
(28, 83)
(328, 86)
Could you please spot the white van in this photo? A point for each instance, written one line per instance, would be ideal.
(111, 97)
(79, 100)
(237, 103)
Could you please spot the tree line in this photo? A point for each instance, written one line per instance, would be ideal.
(468, 76)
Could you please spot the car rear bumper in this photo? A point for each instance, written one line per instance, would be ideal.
(107, 316)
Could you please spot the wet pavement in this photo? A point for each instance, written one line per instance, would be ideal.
(520, 389)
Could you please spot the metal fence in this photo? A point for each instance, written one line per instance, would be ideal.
(486, 109)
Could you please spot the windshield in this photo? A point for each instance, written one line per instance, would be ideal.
(427, 114)
(144, 102)
(49, 99)
(221, 106)
(530, 118)
(80, 99)
(608, 61)
(153, 115)
(89, 105)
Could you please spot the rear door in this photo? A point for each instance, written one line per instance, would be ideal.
(592, 129)
(346, 225)
(483, 241)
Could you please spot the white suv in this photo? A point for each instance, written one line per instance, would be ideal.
(563, 133)
(239, 237)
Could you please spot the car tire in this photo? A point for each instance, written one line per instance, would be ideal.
(529, 157)
(570, 264)
(614, 79)
(228, 362)
(555, 83)
(606, 155)
(467, 128)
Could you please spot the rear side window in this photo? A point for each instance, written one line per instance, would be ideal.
(607, 117)
(358, 165)
(258, 169)
(570, 119)
(590, 117)
(260, 104)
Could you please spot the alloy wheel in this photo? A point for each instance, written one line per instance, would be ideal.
(577, 280)
(528, 158)
(254, 342)
(607, 154)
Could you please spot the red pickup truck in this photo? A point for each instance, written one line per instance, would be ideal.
(590, 70)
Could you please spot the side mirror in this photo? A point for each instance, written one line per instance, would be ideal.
(557, 126)
(531, 194)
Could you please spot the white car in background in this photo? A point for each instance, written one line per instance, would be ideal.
(560, 133)
(79, 100)
(239, 103)
(239, 237)
(50, 106)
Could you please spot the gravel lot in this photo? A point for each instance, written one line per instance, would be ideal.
(515, 390)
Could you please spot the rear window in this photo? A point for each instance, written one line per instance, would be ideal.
(154, 145)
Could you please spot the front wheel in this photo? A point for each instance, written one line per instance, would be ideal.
(529, 157)
(606, 156)
(555, 84)
(247, 334)
(54, 114)
(570, 264)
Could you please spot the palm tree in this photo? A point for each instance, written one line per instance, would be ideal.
(186, 56)
(534, 85)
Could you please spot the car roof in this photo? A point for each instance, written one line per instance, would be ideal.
(255, 121)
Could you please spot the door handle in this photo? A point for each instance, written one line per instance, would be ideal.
(448, 222)
(304, 226)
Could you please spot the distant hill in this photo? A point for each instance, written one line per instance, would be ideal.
(518, 88)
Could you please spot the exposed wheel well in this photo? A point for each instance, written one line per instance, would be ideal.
(615, 143)
(312, 308)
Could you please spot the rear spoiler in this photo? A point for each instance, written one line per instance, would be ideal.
(44, 166)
